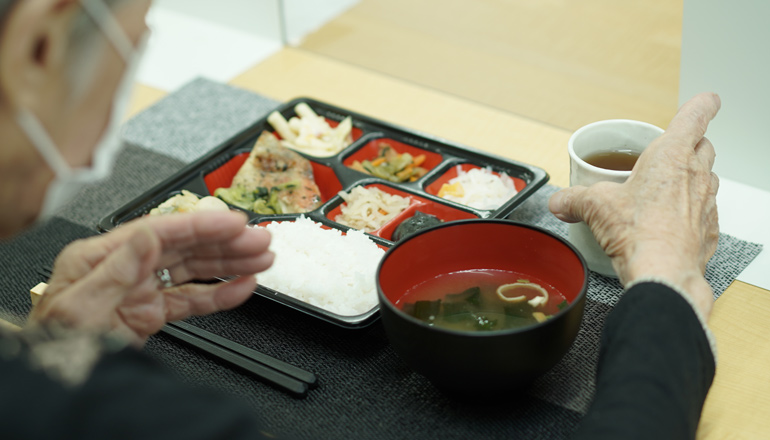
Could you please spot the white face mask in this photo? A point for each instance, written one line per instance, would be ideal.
(68, 181)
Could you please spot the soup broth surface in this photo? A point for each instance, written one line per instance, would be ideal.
(469, 301)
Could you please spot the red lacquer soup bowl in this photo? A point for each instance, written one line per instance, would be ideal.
(465, 361)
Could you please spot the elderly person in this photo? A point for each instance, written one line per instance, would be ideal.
(74, 372)
(65, 66)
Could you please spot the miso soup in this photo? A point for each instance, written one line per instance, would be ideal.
(482, 300)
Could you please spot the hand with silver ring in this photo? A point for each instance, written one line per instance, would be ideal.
(136, 278)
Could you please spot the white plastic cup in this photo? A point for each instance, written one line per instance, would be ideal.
(609, 135)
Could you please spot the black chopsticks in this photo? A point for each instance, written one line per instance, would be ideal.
(277, 373)
(271, 372)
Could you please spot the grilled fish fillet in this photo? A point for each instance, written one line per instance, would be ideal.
(279, 169)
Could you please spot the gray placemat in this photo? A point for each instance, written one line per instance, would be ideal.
(201, 115)
(136, 171)
(196, 118)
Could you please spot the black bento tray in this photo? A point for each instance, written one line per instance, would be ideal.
(445, 155)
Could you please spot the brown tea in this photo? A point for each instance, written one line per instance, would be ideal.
(618, 160)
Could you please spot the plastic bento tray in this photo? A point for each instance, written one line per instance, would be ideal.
(332, 174)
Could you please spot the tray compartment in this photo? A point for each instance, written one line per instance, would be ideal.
(356, 132)
(347, 321)
(444, 212)
(369, 151)
(331, 117)
(433, 187)
(152, 204)
(335, 207)
(222, 177)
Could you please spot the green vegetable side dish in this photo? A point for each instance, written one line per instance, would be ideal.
(476, 309)
(391, 166)
(261, 200)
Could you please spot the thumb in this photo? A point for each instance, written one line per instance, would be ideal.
(566, 206)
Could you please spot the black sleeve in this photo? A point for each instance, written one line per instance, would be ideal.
(126, 397)
(655, 369)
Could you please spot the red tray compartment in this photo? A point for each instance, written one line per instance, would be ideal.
(416, 203)
(356, 132)
(372, 148)
(443, 212)
(435, 186)
(222, 177)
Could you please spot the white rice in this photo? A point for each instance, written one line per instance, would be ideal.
(482, 189)
(322, 267)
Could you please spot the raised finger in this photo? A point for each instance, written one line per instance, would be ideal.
(564, 205)
(182, 230)
(711, 221)
(174, 231)
(245, 254)
(249, 242)
(204, 269)
(714, 183)
(691, 121)
(705, 152)
(200, 299)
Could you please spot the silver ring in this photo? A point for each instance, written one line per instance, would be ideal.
(164, 276)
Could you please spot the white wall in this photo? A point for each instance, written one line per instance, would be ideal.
(726, 49)
(255, 17)
(305, 16)
(219, 39)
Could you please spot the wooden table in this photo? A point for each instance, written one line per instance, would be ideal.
(515, 78)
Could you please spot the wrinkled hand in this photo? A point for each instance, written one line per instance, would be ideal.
(662, 222)
(109, 283)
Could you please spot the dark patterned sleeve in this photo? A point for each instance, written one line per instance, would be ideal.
(655, 368)
(122, 394)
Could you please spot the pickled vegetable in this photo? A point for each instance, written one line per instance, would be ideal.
(415, 223)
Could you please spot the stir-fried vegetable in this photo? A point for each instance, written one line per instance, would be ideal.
(390, 165)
